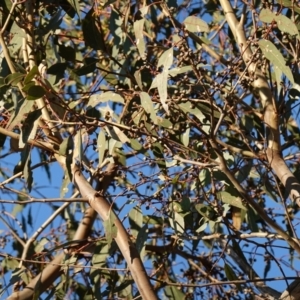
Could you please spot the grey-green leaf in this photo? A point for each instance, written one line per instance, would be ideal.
(135, 220)
(266, 15)
(104, 97)
(166, 59)
(195, 24)
(138, 27)
(275, 57)
(285, 24)
(230, 199)
(147, 104)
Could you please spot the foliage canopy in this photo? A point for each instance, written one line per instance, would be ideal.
(174, 128)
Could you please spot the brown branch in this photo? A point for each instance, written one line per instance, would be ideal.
(127, 248)
(270, 113)
(54, 269)
(223, 167)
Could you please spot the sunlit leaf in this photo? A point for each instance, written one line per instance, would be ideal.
(231, 199)
(147, 104)
(162, 82)
(185, 137)
(290, 4)
(30, 127)
(166, 59)
(34, 71)
(110, 228)
(135, 220)
(275, 57)
(194, 24)
(138, 27)
(14, 78)
(266, 15)
(177, 222)
(101, 145)
(104, 97)
(135, 145)
(206, 211)
(285, 24)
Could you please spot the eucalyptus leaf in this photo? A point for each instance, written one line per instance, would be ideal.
(195, 24)
(275, 57)
(105, 97)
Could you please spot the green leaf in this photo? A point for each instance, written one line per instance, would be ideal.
(67, 52)
(177, 222)
(66, 145)
(266, 15)
(53, 23)
(28, 86)
(206, 211)
(19, 113)
(2, 82)
(290, 4)
(35, 92)
(185, 137)
(68, 8)
(166, 59)
(135, 144)
(147, 104)
(162, 82)
(138, 28)
(40, 245)
(231, 199)
(172, 292)
(231, 276)
(135, 220)
(101, 145)
(34, 71)
(14, 79)
(252, 219)
(285, 24)
(24, 159)
(117, 134)
(176, 71)
(90, 64)
(76, 6)
(110, 228)
(64, 185)
(158, 152)
(29, 128)
(141, 240)
(164, 122)
(275, 57)
(57, 69)
(153, 220)
(204, 177)
(105, 97)
(244, 171)
(194, 24)
(278, 74)
(27, 173)
(92, 31)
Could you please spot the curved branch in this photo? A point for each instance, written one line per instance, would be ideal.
(127, 248)
(54, 269)
(270, 113)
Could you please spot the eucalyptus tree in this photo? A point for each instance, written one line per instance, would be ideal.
(172, 128)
